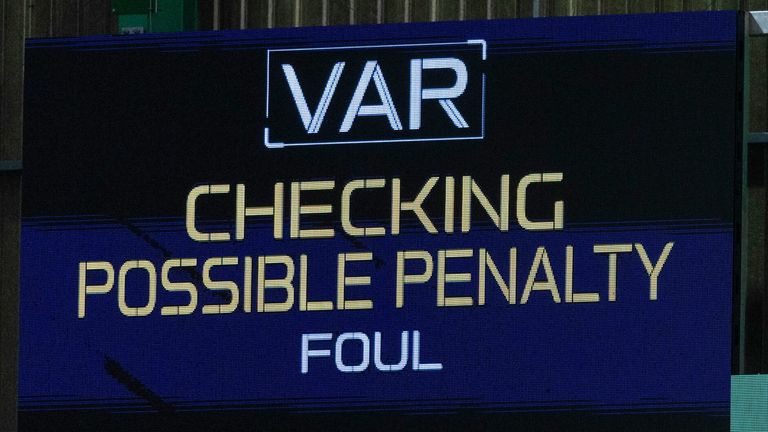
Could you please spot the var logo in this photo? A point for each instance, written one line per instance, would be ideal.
(375, 94)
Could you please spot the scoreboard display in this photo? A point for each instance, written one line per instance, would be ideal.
(493, 225)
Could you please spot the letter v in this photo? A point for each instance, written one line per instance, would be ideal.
(312, 122)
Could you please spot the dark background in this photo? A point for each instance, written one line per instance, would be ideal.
(134, 130)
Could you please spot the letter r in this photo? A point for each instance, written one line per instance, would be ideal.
(443, 95)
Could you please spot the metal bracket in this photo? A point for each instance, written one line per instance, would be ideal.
(758, 23)
(10, 166)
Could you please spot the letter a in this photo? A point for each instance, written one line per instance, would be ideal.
(356, 108)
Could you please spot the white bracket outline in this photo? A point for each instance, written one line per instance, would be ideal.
(278, 145)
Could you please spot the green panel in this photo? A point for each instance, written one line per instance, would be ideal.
(131, 7)
(132, 23)
(190, 15)
(170, 16)
(749, 403)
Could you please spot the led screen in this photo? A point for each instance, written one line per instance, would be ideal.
(452, 226)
